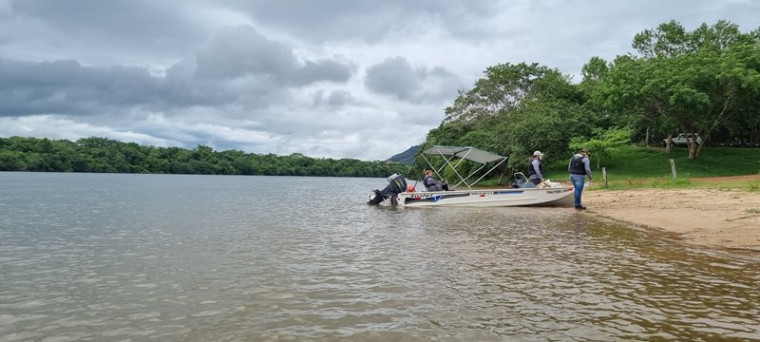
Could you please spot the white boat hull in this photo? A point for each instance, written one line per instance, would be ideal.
(555, 196)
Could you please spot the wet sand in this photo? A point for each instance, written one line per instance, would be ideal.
(708, 217)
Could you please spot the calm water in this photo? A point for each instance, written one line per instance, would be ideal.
(95, 257)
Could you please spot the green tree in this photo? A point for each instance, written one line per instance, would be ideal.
(603, 142)
(514, 110)
(12, 161)
(503, 88)
(689, 81)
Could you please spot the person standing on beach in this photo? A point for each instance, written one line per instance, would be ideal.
(536, 170)
(579, 168)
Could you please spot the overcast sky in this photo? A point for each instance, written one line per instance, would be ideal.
(361, 79)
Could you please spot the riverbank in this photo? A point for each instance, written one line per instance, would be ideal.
(708, 217)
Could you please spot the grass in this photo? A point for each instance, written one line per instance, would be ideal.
(649, 167)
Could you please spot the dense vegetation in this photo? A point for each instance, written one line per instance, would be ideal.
(109, 156)
(705, 81)
(628, 163)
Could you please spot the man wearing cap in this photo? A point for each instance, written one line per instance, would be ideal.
(579, 168)
(536, 170)
(431, 184)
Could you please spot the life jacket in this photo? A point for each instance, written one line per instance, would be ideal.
(532, 170)
(576, 166)
(429, 181)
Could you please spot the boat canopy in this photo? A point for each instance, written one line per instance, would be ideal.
(460, 153)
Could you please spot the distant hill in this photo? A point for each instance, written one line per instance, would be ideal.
(406, 157)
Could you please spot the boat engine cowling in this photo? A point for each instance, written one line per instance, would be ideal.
(396, 185)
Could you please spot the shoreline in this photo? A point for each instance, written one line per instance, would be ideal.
(706, 217)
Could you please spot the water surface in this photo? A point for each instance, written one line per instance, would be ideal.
(111, 257)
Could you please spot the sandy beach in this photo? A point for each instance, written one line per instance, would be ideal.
(708, 217)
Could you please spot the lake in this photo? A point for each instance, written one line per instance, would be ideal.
(118, 257)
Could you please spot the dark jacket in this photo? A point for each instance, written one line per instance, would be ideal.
(431, 184)
(579, 165)
(532, 170)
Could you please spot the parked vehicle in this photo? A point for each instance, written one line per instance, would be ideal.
(682, 139)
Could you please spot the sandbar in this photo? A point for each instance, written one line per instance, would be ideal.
(708, 217)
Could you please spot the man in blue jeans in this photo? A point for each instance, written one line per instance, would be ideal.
(579, 168)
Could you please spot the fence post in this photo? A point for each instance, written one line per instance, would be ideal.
(604, 176)
(673, 168)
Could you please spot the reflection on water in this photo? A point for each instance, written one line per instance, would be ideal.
(201, 258)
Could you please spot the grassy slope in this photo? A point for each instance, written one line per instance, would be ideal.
(635, 167)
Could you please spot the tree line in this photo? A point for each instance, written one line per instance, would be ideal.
(103, 155)
(705, 81)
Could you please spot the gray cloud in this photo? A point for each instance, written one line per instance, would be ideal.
(237, 63)
(241, 51)
(327, 79)
(321, 70)
(100, 32)
(334, 99)
(340, 98)
(67, 87)
(396, 77)
(370, 20)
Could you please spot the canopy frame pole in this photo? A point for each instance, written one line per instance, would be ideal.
(462, 153)
(454, 167)
(489, 171)
(464, 180)
(438, 170)
(446, 161)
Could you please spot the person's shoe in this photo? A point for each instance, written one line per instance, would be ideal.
(580, 207)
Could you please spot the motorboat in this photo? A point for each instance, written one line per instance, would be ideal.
(399, 192)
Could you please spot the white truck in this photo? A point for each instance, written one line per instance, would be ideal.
(682, 139)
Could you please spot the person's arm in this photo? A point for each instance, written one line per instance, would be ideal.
(587, 165)
(535, 163)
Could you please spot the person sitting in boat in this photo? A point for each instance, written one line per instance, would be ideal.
(432, 184)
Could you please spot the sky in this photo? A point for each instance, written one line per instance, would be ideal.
(360, 79)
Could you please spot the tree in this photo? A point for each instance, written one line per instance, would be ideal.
(515, 110)
(684, 80)
(12, 161)
(603, 142)
(504, 87)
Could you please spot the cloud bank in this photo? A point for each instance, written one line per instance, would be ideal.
(339, 79)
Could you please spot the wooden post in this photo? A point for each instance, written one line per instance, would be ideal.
(673, 168)
(646, 140)
(604, 176)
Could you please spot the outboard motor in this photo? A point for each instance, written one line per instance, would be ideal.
(396, 185)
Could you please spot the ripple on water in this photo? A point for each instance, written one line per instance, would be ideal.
(236, 258)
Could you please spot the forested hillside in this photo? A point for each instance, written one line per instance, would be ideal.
(406, 157)
(109, 156)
